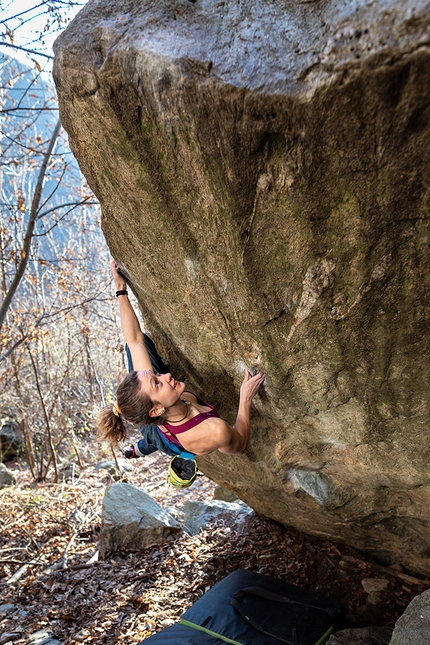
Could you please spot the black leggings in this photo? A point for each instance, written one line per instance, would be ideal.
(157, 363)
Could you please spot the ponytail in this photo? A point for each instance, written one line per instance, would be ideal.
(110, 427)
(131, 405)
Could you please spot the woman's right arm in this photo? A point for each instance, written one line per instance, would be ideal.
(130, 324)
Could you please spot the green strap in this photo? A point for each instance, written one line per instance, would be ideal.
(326, 636)
(208, 631)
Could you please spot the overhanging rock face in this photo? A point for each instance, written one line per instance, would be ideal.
(263, 171)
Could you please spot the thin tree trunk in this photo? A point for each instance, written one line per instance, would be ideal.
(115, 459)
(48, 434)
(28, 444)
(30, 226)
(29, 450)
(76, 451)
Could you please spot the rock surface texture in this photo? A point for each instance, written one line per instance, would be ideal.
(413, 627)
(199, 514)
(263, 172)
(11, 439)
(363, 636)
(7, 477)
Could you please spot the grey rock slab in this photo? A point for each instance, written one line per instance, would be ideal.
(42, 637)
(132, 519)
(6, 637)
(374, 584)
(413, 626)
(199, 514)
(373, 587)
(224, 495)
(110, 465)
(7, 477)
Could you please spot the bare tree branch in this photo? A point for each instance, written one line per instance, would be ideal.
(21, 340)
(21, 13)
(24, 49)
(73, 206)
(15, 140)
(28, 109)
(56, 187)
(51, 316)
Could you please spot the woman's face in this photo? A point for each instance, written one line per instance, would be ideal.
(161, 388)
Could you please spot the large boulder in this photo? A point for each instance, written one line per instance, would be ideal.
(263, 172)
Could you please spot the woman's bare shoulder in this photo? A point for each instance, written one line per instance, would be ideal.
(207, 436)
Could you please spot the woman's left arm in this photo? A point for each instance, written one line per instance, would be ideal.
(219, 435)
(248, 390)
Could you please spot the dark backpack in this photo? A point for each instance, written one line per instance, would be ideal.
(248, 608)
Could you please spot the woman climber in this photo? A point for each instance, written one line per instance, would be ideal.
(158, 401)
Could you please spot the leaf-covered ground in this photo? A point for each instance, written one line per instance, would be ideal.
(49, 570)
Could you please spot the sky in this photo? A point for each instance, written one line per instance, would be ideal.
(34, 27)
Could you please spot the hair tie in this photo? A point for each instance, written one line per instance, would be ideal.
(115, 409)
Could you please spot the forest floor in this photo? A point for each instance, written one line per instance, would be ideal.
(50, 574)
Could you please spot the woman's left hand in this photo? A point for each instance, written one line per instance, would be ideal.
(251, 385)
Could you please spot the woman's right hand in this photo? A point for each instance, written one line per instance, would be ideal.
(251, 385)
(119, 280)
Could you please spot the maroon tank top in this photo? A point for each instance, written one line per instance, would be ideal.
(191, 423)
